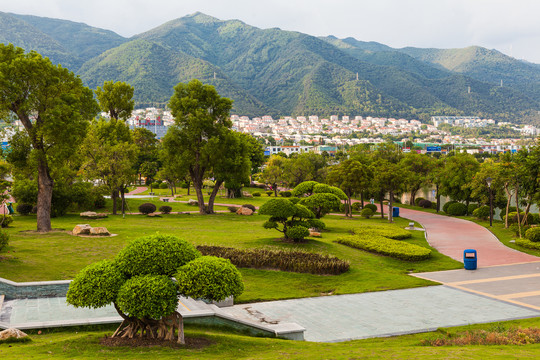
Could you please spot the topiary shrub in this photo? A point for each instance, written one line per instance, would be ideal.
(481, 212)
(163, 185)
(513, 218)
(417, 200)
(233, 209)
(316, 224)
(165, 209)
(356, 206)
(147, 208)
(426, 204)
(256, 194)
(285, 193)
(269, 193)
(457, 209)
(24, 209)
(251, 207)
(446, 205)
(373, 207)
(533, 234)
(6, 220)
(283, 212)
(366, 213)
(4, 240)
(471, 208)
(294, 200)
(297, 233)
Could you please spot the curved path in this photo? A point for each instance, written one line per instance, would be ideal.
(450, 236)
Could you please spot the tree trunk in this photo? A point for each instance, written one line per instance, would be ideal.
(508, 201)
(114, 196)
(122, 193)
(413, 196)
(188, 187)
(391, 207)
(362, 199)
(517, 210)
(275, 189)
(197, 178)
(382, 207)
(44, 200)
(438, 197)
(213, 196)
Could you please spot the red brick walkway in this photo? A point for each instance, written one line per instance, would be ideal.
(138, 190)
(451, 236)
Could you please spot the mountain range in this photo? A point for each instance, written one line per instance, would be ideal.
(277, 72)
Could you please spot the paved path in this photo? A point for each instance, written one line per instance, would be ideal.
(450, 236)
(137, 190)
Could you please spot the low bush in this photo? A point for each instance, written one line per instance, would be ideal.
(371, 206)
(163, 185)
(256, 193)
(233, 209)
(285, 193)
(533, 234)
(500, 335)
(317, 224)
(155, 185)
(284, 260)
(165, 209)
(24, 209)
(446, 205)
(269, 193)
(536, 218)
(6, 220)
(457, 209)
(356, 206)
(471, 208)
(526, 243)
(391, 232)
(481, 213)
(147, 208)
(366, 212)
(294, 200)
(251, 207)
(384, 246)
(513, 219)
(417, 201)
(426, 204)
(297, 233)
(511, 209)
(515, 229)
(4, 240)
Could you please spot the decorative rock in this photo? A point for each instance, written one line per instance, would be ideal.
(82, 229)
(92, 215)
(246, 194)
(12, 333)
(244, 211)
(192, 202)
(99, 231)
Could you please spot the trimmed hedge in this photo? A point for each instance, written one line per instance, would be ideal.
(417, 201)
(269, 193)
(533, 234)
(371, 206)
(391, 232)
(256, 194)
(384, 246)
(528, 244)
(356, 206)
(426, 204)
(165, 209)
(285, 193)
(481, 213)
(446, 205)
(367, 213)
(284, 260)
(471, 208)
(147, 208)
(457, 209)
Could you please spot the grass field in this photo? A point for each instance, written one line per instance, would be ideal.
(83, 343)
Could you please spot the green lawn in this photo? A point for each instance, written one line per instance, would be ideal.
(58, 255)
(83, 343)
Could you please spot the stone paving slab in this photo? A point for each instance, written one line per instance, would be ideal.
(357, 316)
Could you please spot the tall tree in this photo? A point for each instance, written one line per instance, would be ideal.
(418, 167)
(115, 98)
(202, 121)
(389, 178)
(273, 173)
(53, 106)
(459, 172)
(352, 177)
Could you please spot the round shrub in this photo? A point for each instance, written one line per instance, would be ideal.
(373, 207)
(209, 277)
(446, 205)
(4, 239)
(148, 296)
(251, 207)
(297, 233)
(457, 209)
(366, 212)
(269, 193)
(316, 224)
(233, 209)
(471, 208)
(155, 185)
(155, 254)
(147, 208)
(163, 185)
(6, 220)
(285, 193)
(256, 193)
(426, 204)
(481, 212)
(356, 206)
(417, 200)
(533, 234)
(294, 200)
(96, 285)
(536, 218)
(24, 209)
(165, 209)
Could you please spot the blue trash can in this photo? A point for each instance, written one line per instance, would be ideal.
(470, 259)
(395, 212)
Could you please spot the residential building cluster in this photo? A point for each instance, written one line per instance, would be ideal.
(462, 121)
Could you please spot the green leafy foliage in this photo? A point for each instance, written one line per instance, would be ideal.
(209, 277)
(148, 296)
(165, 209)
(533, 234)
(96, 285)
(24, 209)
(287, 214)
(155, 255)
(147, 208)
(426, 204)
(372, 207)
(481, 212)
(528, 243)
(513, 217)
(6, 220)
(457, 209)
(391, 232)
(4, 240)
(297, 233)
(385, 246)
(366, 212)
(284, 260)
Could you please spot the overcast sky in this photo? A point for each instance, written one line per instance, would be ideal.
(510, 26)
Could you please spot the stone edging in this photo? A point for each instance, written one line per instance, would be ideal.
(34, 289)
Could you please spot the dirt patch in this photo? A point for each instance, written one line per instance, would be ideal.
(44, 232)
(191, 342)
